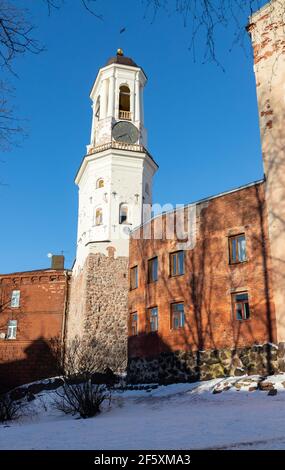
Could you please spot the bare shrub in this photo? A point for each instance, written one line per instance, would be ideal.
(84, 388)
(84, 398)
(9, 409)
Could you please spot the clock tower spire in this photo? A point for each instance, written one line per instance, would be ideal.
(117, 96)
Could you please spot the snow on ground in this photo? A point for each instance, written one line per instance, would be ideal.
(180, 416)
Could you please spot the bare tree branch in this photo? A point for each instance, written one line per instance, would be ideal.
(205, 17)
(16, 34)
(10, 129)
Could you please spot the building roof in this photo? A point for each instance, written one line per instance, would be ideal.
(121, 59)
(201, 201)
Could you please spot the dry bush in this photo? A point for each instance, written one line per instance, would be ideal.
(9, 409)
(84, 398)
(79, 364)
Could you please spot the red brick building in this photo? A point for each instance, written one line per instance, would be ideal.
(219, 308)
(216, 296)
(32, 312)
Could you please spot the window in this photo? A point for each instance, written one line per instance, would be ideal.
(97, 108)
(100, 183)
(124, 102)
(98, 217)
(147, 188)
(15, 299)
(153, 319)
(237, 245)
(12, 329)
(134, 324)
(134, 277)
(177, 263)
(123, 218)
(152, 269)
(177, 315)
(241, 306)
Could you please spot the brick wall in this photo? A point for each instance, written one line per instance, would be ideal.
(208, 283)
(268, 39)
(40, 317)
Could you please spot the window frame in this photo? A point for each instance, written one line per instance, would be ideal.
(149, 316)
(98, 209)
(132, 314)
(231, 238)
(182, 324)
(13, 296)
(12, 328)
(150, 277)
(124, 98)
(100, 183)
(235, 302)
(136, 270)
(123, 206)
(171, 264)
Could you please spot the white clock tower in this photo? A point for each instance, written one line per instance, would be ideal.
(115, 181)
(115, 177)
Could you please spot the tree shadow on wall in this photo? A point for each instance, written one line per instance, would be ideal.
(37, 361)
(207, 289)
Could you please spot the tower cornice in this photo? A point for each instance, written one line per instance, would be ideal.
(115, 149)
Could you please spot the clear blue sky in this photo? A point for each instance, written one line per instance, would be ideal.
(202, 122)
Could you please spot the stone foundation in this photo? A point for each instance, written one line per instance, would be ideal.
(98, 308)
(181, 366)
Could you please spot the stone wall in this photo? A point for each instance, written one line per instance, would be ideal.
(181, 366)
(98, 307)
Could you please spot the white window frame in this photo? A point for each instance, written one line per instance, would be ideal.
(12, 329)
(15, 299)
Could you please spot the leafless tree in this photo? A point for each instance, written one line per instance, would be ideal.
(203, 18)
(17, 38)
(11, 128)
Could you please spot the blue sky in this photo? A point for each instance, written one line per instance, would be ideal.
(202, 122)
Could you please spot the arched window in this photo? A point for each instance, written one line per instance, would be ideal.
(98, 216)
(147, 188)
(97, 108)
(124, 102)
(100, 183)
(123, 218)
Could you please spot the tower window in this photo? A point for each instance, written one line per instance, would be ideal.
(12, 329)
(147, 188)
(97, 108)
(100, 183)
(99, 217)
(123, 214)
(124, 102)
(15, 299)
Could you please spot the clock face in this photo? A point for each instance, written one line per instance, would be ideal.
(126, 132)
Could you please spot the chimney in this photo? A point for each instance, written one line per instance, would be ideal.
(57, 262)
